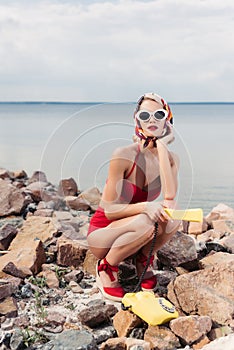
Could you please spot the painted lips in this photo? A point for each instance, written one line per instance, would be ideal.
(152, 128)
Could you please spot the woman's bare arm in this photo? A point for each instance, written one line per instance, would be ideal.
(168, 164)
(112, 191)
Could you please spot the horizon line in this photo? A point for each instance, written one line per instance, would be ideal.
(107, 102)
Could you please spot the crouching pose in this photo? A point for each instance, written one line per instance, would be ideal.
(124, 223)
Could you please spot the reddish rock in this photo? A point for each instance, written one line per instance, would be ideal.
(92, 196)
(123, 343)
(7, 234)
(114, 344)
(16, 282)
(90, 262)
(67, 187)
(4, 174)
(179, 250)
(24, 261)
(70, 253)
(97, 314)
(161, 338)
(19, 184)
(197, 292)
(216, 259)
(228, 242)
(204, 340)
(6, 289)
(26, 253)
(50, 276)
(219, 332)
(209, 236)
(44, 212)
(74, 275)
(223, 226)
(220, 212)
(38, 176)
(124, 322)
(22, 321)
(197, 228)
(77, 203)
(8, 307)
(55, 317)
(191, 328)
(12, 200)
(36, 190)
(19, 174)
(35, 228)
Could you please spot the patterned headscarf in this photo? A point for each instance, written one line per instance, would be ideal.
(138, 130)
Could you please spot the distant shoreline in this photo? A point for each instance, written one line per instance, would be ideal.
(102, 102)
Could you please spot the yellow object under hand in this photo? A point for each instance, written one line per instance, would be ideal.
(195, 215)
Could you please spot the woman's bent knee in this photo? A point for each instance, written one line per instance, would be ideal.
(143, 223)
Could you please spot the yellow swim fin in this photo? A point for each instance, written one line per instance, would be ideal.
(152, 310)
(195, 215)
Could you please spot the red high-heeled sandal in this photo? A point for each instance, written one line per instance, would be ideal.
(113, 293)
(148, 283)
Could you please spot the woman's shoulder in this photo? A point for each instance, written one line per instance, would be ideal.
(126, 152)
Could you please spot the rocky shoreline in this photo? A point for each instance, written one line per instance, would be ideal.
(48, 295)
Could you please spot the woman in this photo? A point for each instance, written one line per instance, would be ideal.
(124, 223)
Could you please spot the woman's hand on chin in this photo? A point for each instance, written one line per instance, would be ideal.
(169, 135)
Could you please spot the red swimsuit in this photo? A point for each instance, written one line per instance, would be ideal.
(131, 194)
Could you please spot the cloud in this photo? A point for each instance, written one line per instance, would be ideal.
(115, 50)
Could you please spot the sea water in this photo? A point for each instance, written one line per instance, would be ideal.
(77, 139)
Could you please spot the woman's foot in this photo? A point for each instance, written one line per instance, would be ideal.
(107, 275)
(150, 281)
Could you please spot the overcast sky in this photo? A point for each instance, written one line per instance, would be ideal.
(116, 50)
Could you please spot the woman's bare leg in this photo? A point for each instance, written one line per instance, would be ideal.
(123, 238)
(132, 232)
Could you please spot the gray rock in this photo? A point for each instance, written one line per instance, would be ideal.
(26, 291)
(16, 342)
(14, 221)
(5, 338)
(95, 316)
(137, 333)
(179, 251)
(72, 340)
(102, 334)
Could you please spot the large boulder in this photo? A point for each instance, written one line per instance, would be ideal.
(207, 292)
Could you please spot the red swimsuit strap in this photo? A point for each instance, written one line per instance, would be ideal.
(134, 164)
